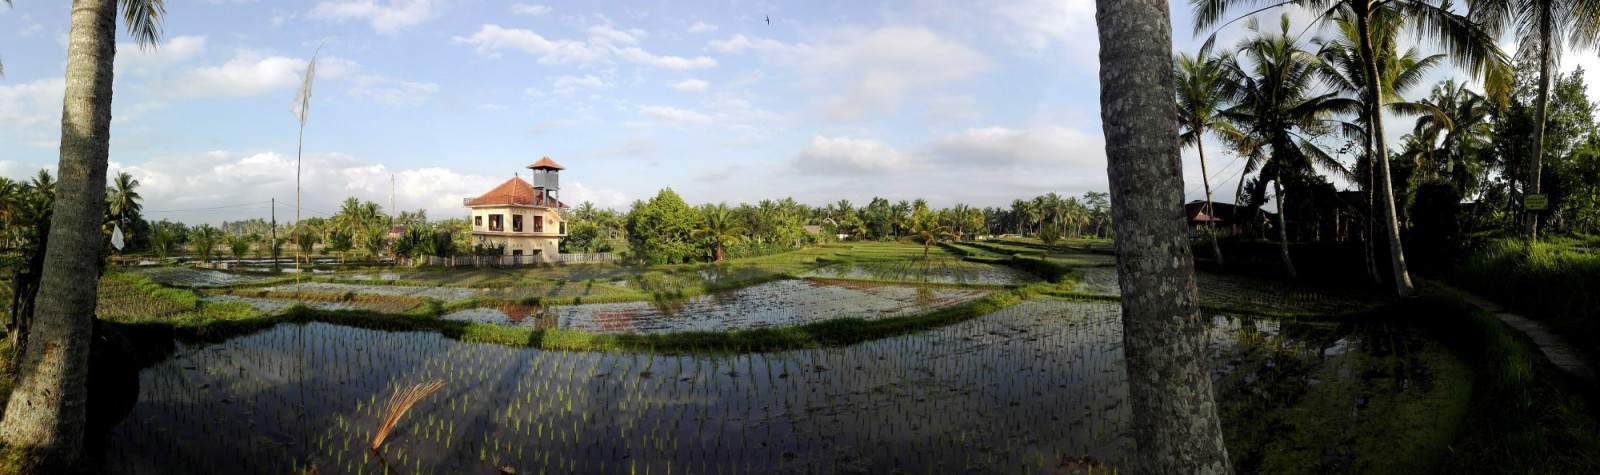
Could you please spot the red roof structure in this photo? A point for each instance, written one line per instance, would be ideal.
(517, 192)
(546, 163)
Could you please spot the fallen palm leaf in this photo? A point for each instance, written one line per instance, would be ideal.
(400, 403)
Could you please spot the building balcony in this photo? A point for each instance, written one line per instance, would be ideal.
(486, 230)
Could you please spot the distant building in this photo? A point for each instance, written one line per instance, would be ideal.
(523, 217)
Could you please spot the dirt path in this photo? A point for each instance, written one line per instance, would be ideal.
(1553, 347)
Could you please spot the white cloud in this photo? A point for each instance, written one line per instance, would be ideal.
(673, 115)
(147, 61)
(248, 73)
(569, 84)
(849, 156)
(877, 69)
(941, 109)
(676, 63)
(602, 43)
(397, 94)
(491, 38)
(528, 9)
(386, 17)
(702, 27)
(738, 43)
(1045, 145)
(32, 111)
(691, 85)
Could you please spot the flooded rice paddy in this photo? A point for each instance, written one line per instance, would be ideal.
(1029, 389)
(942, 271)
(780, 303)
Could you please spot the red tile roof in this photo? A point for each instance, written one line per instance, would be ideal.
(515, 192)
(546, 162)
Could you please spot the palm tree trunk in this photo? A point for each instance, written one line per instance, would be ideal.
(1542, 114)
(1175, 424)
(1283, 227)
(1211, 217)
(1397, 257)
(46, 411)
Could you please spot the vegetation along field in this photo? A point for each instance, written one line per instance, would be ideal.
(1360, 240)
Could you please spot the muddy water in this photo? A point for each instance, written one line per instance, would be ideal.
(1030, 389)
(773, 304)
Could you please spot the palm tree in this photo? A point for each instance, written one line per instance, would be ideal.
(239, 245)
(163, 240)
(925, 227)
(1344, 68)
(1175, 424)
(1273, 82)
(1470, 47)
(720, 227)
(204, 238)
(121, 197)
(46, 410)
(1541, 26)
(1457, 119)
(1200, 99)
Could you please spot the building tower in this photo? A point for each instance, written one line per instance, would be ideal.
(547, 177)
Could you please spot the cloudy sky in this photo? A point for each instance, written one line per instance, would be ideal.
(954, 101)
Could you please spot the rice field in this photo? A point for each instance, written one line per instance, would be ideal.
(194, 277)
(942, 271)
(1035, 388)
(779, 303)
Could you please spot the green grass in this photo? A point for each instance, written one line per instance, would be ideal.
(1524, 415)
(1548, 281)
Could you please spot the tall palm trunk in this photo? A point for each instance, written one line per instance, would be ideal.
(46, 410)
(1366, 232)
(1532, 218)
(1283, 226)
(1397, 257)
(1211, 216)
(1175, 422)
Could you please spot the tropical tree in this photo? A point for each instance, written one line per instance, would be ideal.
(1469, 45)
(46, 409)
(1541, 27)
(204, 239)
(1345, 69)
(719, 228)
(1459, 121)
(238, 245)
(661, 230)
(1175, 424)
(925, 228)
(1201, 96)
(1273, 86)
(163, 241)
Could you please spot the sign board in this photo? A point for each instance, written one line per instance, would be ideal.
(1536, 202)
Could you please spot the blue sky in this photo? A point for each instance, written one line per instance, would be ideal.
(952, 101)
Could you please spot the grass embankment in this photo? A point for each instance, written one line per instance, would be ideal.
(1524, 415)
(1551, 281)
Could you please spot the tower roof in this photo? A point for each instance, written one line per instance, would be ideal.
(546, 163)
(515, 192)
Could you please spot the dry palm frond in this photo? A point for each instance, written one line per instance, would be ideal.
(400, 403)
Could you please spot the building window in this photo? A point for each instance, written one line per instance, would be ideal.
(516, 223)
(497, 222)
(563, 227)
(538, 224)
(477, 221)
